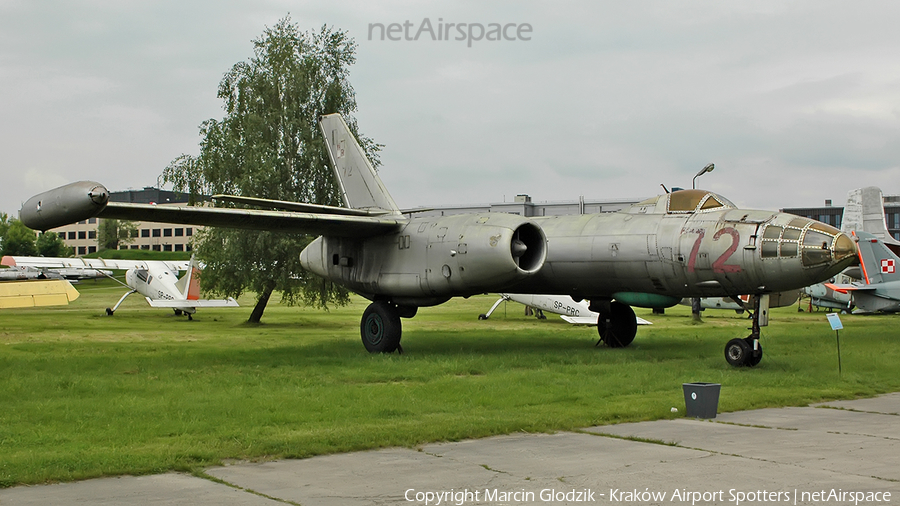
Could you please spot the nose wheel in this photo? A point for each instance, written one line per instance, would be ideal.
(741, 352)
(746, 352)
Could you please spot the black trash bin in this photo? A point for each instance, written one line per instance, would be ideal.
(701, 400)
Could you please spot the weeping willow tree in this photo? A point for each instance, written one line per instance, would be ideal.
(268, 145)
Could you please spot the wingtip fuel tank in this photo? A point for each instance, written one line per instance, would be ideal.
(67, 204)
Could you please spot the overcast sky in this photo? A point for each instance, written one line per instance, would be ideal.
(795, 102)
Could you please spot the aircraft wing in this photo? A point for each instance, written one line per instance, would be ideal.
(255, 219)
(86, 199)
(229, 302)
(592, 320)
(89, 263)
(297, 206)
(20, 294)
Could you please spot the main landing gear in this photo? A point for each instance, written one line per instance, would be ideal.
(111, 311)
(616, 324)
(179, 312)
(381, 330)
(380, 327)
(485, 316)
(747, 352)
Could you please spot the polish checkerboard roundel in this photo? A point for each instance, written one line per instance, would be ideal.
(887, 266)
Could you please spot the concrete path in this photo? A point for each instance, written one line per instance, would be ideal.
(845, 452)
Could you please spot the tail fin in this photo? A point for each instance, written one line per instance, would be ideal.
(865, 212)
(879, 264)
(189, 284)
(361, 188)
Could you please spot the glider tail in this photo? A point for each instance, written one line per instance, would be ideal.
(189, 284)
(360, 186)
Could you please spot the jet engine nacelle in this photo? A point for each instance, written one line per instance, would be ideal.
(432, 259)
(489, 249)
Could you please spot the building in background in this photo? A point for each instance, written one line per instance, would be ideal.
(832, 215)
(522, 205)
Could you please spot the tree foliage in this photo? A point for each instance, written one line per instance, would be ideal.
(49, 244)
(4, 225)
(112, 233)
(268, 145)
(19, 240)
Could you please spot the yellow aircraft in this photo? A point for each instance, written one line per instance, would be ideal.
(19, 294)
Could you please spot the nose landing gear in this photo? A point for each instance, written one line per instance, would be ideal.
(748, 352)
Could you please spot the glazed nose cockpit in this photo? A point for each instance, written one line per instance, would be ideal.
(818, 245)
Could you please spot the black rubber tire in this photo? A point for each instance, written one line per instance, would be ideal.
(380, 328)
(753, 360)
(738, 352)
(621, 328)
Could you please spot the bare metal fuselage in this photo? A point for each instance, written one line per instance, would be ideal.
(644, 256)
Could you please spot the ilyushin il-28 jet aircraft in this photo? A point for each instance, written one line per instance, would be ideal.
(688, 243)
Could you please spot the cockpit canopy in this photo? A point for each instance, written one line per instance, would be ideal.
(683, 202)
(816, 243)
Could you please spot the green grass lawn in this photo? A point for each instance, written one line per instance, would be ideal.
(85, 395)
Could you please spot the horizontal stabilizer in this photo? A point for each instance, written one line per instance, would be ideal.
(229, 302)
(592, 320)
(298, 207)
(851, 288)
(842, 288)
(580, 320)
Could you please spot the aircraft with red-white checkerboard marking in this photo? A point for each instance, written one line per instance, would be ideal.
(879, 289)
